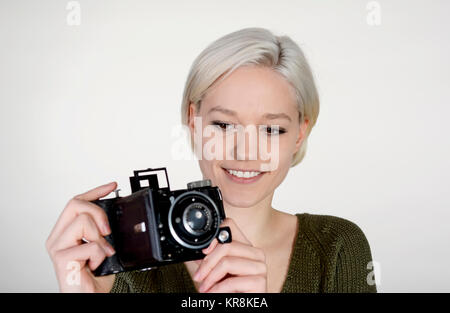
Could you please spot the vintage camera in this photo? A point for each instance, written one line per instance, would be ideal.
(156, 226)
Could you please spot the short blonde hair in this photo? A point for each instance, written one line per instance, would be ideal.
(254, 46)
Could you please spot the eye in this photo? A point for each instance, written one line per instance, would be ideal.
(274, 130)
(223, 125)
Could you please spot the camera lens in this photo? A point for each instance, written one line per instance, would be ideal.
(193, 219)
(197, 218)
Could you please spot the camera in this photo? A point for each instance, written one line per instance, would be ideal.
(155, 226)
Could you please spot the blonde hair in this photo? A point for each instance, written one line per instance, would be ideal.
(254, 46)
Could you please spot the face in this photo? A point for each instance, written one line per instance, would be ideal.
(251, 98)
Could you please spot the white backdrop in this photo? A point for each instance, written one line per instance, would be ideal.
(85, 104)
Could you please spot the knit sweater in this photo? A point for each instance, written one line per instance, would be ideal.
(330, 254)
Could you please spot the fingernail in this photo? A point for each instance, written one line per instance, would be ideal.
(105, 229)
(206, 250)
(201, 288)
(110, 250)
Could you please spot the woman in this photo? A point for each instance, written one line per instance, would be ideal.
(246, 78)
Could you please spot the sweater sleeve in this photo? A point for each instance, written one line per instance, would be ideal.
(166, 279)
(120, 285)
(353, 273)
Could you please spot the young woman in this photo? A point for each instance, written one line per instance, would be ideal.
(249, 77)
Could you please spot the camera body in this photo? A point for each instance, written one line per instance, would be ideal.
(156, 226)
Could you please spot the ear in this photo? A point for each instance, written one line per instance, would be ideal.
(191, 115)
(301, 135)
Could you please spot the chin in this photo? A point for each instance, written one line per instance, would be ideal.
(240, 198)
(240, 202)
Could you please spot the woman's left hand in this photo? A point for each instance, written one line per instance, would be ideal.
(242, 265)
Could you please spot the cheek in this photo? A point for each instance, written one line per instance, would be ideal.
(210, 170)
(285, 149)
(206, 167)
(285, 160)
(285, 156)
(213, 144)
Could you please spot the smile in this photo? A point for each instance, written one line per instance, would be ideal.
(243, 176)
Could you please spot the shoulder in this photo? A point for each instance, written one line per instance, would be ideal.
(343, 251)
(330, 228)
(330, 236)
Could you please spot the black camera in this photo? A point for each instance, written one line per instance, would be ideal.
(156, 226)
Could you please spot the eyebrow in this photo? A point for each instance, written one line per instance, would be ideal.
(223, 110)
(269, 116)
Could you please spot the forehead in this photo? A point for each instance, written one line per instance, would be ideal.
(252, 90)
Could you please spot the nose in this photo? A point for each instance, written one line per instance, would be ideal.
(246, 143)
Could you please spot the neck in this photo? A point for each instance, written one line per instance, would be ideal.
(255, 221)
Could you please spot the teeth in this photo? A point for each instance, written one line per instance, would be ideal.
(243, 174)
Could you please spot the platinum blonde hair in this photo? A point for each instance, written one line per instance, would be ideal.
(254, 46)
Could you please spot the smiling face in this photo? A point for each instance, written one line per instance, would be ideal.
(251, 96)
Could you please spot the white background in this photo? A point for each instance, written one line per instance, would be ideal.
(85, 105)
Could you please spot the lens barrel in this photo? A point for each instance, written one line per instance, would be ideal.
(193, 219)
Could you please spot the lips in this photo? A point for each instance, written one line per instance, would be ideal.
(243, 176)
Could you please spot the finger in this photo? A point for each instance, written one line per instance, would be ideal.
(198, 262)
(234, 266)
(253, 283)
(91, 253)
(76, 206)
(97, 192)
(237, 234)
(234, 248)
(83, 227)
(211, 246)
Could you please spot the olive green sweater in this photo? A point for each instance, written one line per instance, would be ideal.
(330, 254)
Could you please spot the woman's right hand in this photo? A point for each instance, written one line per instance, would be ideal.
(73, 259)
